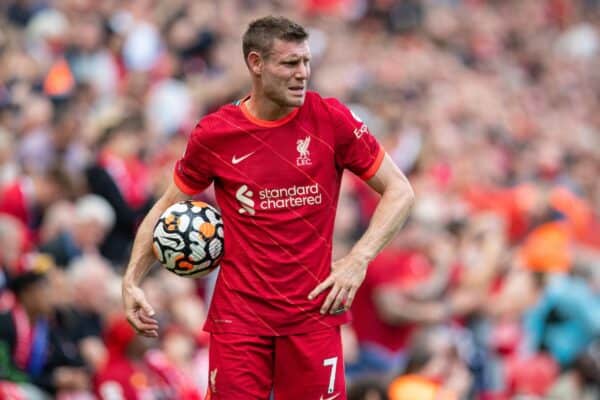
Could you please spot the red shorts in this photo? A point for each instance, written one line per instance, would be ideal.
(296, 367)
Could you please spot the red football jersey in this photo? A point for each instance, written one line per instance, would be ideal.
(277, 184)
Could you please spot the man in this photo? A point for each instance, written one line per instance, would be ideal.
(132, 372)
(93, 218)
(434, 370)
(119, 176)
(276, 159)
(28, 197)
(31, 348)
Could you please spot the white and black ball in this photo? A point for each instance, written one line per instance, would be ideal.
(188, 238)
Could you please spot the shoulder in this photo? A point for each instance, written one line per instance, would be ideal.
(340, 110)
(329, 105)
(315, 104)
(341, 116)
(315, 100)
(215, 124)
(327, 102)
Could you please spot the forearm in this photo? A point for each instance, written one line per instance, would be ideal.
(420, 313)
(141, 254)
(391, 212)
(396, 309)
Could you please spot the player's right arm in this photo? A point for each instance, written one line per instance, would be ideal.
(138, 311)
(191, 176)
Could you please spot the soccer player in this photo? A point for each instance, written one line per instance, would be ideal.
(276, 159)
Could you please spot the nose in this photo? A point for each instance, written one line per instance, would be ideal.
(302, 72)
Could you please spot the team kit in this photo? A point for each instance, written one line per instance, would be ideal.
(277, 184)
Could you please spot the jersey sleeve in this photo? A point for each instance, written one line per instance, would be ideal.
(192, 171)
(356, 149)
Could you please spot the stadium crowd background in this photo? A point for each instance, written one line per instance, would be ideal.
(492, 108)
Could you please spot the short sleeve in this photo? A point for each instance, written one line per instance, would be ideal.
(192, 171)
(356, 149)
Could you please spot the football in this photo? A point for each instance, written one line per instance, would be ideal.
(188, 238)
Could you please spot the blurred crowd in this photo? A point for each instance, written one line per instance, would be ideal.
(491, 107)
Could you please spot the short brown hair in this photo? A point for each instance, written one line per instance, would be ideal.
(262, 32)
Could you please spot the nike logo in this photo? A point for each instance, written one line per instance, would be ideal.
(235, 160)
(335, 396)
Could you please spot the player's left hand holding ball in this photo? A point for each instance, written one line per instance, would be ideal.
(347, 274)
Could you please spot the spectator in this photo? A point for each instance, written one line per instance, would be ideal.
(28, 197)
(433, 370)
(583, 381)
(120, 176)
(32, 350)
(387, 310)
(133, 373)
(91, 220)
(367, 390)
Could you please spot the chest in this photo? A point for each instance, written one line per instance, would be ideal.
(276, 157)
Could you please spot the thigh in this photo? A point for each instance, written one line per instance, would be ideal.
(309, 366)
(240, 367)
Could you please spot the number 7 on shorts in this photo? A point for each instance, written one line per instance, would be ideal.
(331, 362)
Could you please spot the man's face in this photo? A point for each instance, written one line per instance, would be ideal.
(285, 73)
(40, 297)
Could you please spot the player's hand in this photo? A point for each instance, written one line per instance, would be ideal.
(346, 276)
(139, 312)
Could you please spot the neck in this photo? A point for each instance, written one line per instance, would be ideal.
(263, 108)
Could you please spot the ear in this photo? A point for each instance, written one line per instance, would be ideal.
(255, 63)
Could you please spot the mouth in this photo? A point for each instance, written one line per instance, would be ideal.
(296, 90)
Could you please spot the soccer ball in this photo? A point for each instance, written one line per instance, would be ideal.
(188, 238)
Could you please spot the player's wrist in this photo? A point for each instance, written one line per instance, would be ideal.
(363, 256)
(128, 283)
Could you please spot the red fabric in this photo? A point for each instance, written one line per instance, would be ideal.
(306, 366)
(532, 375)
(126, 379)
(118, 377)
(560, 12)
(398, 268)
(584, 223)
(22, 236)
(24, 337)
(118, 335)
(11, 391)
(442, 174)
(176, 379)
(131, 177)
(12, 202)
(138, 380)
(277, 184)
(327, 7)
(506, 337)
(508, 203)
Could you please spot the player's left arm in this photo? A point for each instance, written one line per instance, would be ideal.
(348, 273)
